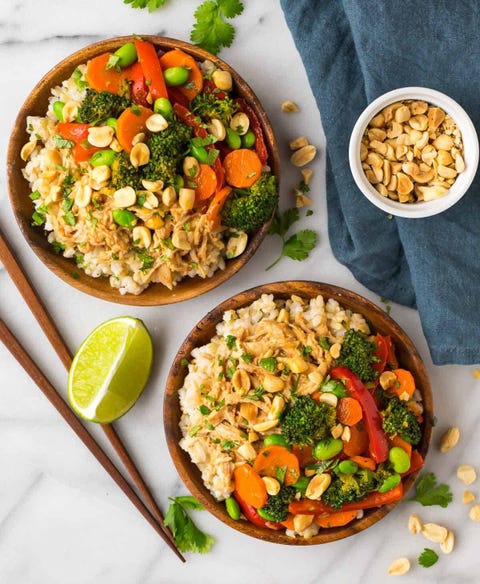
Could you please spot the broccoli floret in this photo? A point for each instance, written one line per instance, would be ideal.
(307, 421)
(124, 174)
(276, 508)
(167, 149)
(346, 488)
(98, 106)
(399, 419)
(357, 354)
(207, 106)
(248, 209)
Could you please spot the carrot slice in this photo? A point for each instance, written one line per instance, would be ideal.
(102, 80)
(405, 383)
(349, 411)
(177, 58)
(206, 182)
(130, 124)
(250, 486)
(274, 459)
(152, 71)
(358, 442)
(336, 519)
(288, 523)
(364, 462)
(398, 441)
(83, 151)
(213, 212)
(304, 454)
(242, 168)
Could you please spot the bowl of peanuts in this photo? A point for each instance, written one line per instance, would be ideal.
(414, 152)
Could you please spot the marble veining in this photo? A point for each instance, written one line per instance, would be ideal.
(62, 520)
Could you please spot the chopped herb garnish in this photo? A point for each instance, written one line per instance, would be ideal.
(247, 357)
(228, 445)
(70, 219)
(269, 364)
(230, 341)
(62, 142)
(428, 493)
(58, 247)
(256, 394)
(204, 410)
(184, 362)
(35, 195)
(324, 343)
(193, 431)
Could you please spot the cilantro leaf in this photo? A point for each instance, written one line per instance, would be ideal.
(428, 493)
(283, 221)
(187, 535)
(211, 31)
(150, 4)
(428, 558)
(298, 246)
(62, 142)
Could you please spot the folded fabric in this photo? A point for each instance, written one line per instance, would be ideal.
(354, 51)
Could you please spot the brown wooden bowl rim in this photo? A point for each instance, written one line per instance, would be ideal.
(100, 288)
(177, 373)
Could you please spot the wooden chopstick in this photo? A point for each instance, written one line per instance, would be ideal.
(46, 323)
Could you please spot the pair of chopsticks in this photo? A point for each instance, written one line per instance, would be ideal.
(152, 514)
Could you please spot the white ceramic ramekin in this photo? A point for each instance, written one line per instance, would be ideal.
(470, 146)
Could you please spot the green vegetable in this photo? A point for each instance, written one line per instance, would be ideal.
(211, 31)
(428, 493)
(275, 440)
(233, 139)
(199, 152)
(248, 139)
(124, 218)
(78, 79)
(357, 354)
(57, 108)
(175, 76)
(103, 158)
(125, 55)
(399, 459)
(70, 219)
(399, 419)
(335, 387)
(100, 105)
(250, 208)
(301, 485)
(35, 195)
(124, 173)
(348, 467)
(164, 107)
(307, 421)
(327, 448)
(208, 106)
(276, 508)
(58, 247)
(390, 483)
(186, 534)
(346, 488)
(428, 558)
(233, 509)
(230, 341)
(178, 182)
(269, 364)
(150, 4)
(62, 142)
(147, 260)
(112, 122)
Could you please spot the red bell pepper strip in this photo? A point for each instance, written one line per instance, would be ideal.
(381, 354)
(252, 515)
(309, 507)
(416, 463)
(83, 151)
(378, 443)
(210, 87)
(256, 128)
(152, 71)
(392, 358)
(176, 96)
(186, 116)
(219, 173)
(138, 89)
(73, 131)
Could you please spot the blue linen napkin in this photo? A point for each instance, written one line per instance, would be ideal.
(354, 51)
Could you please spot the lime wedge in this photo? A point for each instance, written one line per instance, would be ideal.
(110, 370)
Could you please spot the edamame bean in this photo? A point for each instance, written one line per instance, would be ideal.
(176, 76)
(163, 106)
(275, 440)
(233, 508)
(233, 139)
(302, 484)
(200, 153)
(327, 448)
(58, 110)
(124, 218)
(390, 483)
(103, 158)
(348, 467)
(112, 122)
(248, 140)
(178, 182)
(127, 54)
(399, 459)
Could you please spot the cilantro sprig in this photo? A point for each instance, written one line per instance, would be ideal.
(211, 31)
(428, 558)
(428, 492)
(187, 535)
(150, 4)
(299, 245)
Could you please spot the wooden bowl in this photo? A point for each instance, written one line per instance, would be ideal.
(36, 105)
(205, 330)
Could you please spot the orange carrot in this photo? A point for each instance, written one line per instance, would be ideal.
(288, 523)
(405, 383)
(398, 441)
(349, 411)
(102, 80)
(178, 58)
(336, 519)
(206, 181)
(250, 486)
(242, 168)
(216, 205)
(358, 442)
(130, 123)
(272, 459)
(152, 71)
(364, 462)
(416, 463)
(304, 455)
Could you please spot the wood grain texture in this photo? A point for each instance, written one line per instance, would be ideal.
(36, 105)
(205, 330)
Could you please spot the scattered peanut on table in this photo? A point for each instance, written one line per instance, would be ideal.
(449, 439)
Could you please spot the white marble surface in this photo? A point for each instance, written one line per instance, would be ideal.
(62, 520)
